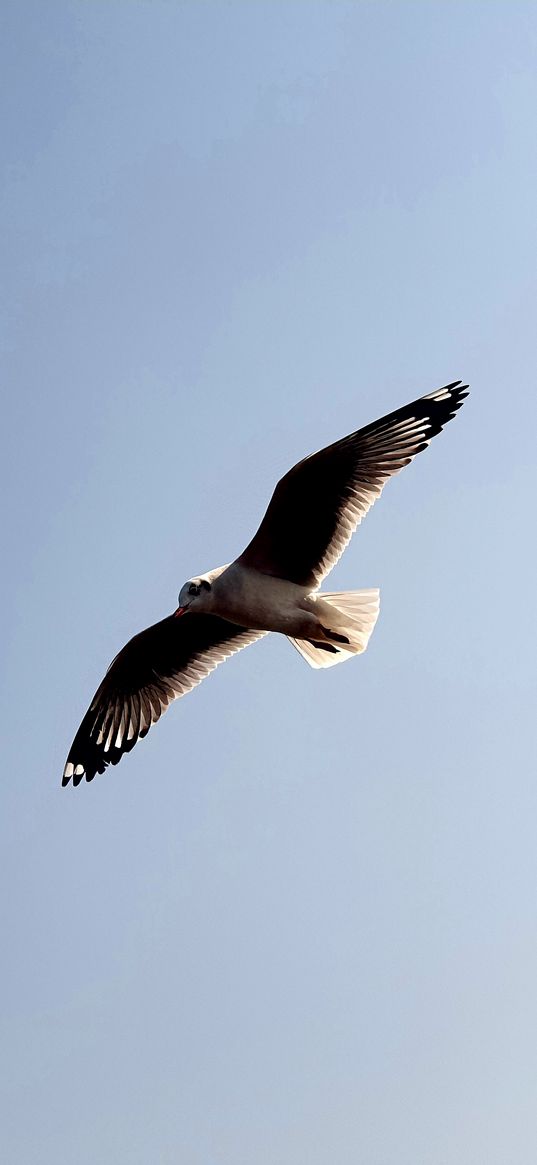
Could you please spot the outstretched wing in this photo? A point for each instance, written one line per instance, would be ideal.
(154, 668)
(317, 506)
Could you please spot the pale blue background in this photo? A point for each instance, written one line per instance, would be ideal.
(298, 925)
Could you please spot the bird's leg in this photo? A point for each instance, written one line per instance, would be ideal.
(334, 635)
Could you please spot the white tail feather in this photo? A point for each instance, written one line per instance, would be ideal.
(350, 613)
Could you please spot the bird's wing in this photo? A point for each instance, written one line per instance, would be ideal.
(161, 663)
(317, 506)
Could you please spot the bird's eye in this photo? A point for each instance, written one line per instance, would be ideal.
(193, 589)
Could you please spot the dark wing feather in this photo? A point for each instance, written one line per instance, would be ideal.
(317, 506)
(158, 665)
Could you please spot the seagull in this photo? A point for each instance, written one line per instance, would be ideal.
(272, 586)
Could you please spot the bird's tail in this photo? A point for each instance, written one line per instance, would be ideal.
(348, 619)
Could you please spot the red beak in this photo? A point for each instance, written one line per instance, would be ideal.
(180, 610)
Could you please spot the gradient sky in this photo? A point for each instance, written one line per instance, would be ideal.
(298, 924)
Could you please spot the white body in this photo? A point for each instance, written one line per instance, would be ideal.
(256, 600)
(309, 618)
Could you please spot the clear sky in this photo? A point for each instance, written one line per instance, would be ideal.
(298, 924)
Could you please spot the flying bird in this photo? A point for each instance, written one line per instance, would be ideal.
(272, 586)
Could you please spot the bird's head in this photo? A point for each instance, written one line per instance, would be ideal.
(194, 595)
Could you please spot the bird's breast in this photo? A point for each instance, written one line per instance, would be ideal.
(256, 600)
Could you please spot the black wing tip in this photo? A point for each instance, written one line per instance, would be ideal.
(459, 390)
(83, 770)
(453, 394)
(70, 774)
(93, 760)
(440, 406)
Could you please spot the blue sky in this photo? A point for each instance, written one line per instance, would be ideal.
(297, 924)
